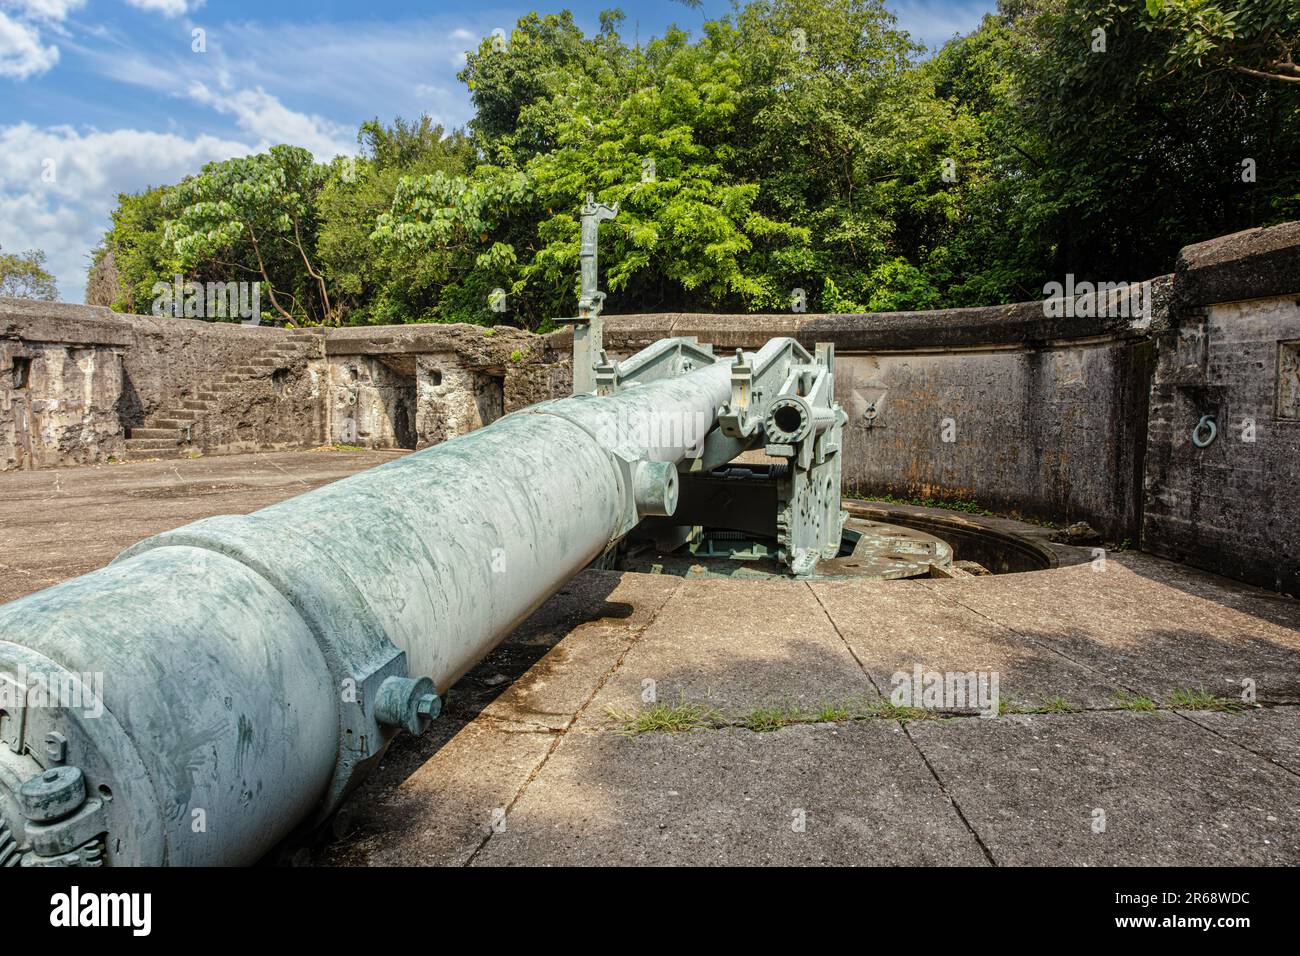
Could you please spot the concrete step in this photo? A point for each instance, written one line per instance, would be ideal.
(207, 396)
(267, 360)
(150, 431)
(175, 423)
(139, 454)
(153, 444)
(246, 371)
(195, 405)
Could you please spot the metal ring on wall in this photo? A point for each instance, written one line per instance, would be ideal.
(1206, 421)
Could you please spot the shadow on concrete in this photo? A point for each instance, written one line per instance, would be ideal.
(582, 600)
(1272, 606)
(591, 795)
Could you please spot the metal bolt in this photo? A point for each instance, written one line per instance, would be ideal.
(429, 707)
(56, 747)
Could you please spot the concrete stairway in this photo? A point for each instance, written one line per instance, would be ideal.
(169, 432)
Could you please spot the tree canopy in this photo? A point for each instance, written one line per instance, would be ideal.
(791, 145)
(23, 276)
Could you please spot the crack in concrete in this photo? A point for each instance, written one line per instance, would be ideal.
(1173, 710)
(931, 716)
(1025, 637)
(560, 734)
(1236, 743)
(902, 724)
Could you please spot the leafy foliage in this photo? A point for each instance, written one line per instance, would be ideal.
(23, 276)
(793, 144)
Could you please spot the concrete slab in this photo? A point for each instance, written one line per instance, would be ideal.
(1149, 632)
(894, 626)
(735, 646)
(1273, 733)
(1172, 793)
(734, 797)
(58, 523)
(463, 781)
(584, 632)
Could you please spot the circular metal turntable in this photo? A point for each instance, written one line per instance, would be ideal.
(870, 550)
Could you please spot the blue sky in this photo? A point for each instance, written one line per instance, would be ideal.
(99, 97)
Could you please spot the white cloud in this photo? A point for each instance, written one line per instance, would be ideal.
(935, 22)
(260, 114)
(168, 8)
(250, 81)
(68, 215)
(51, 11)
(21, 53)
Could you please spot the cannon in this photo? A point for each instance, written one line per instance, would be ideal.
(221, 685)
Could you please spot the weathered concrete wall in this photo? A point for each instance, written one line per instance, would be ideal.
(243, 387)
(1233, 353)
(62, 378)
(103, 384)
(372, 401)
(462, 376)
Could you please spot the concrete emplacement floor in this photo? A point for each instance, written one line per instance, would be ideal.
(532, 762)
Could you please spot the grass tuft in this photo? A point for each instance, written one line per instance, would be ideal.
(888, 710)
(1056, 705)
(834, 713)
(765, 719)
(1181, 698)
(339, 446)
(1126, 701)
(665, 718)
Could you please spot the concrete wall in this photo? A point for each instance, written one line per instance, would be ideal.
(1232, 352)
(101, 385)
(61, 384)
(244, 387)
(460, 377)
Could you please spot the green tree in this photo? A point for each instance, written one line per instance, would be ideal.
(368, 286)
(790, 144)
(1105, 148)
(512, 83)
(140, 255)
(23, 276)
(1257, 38)
(255, 218)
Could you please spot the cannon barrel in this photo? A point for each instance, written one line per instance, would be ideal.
(221, 684)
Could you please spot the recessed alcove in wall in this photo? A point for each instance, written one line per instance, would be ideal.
(22, 371)
(398, 395)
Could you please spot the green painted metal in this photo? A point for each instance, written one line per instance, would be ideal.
(236, 677)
